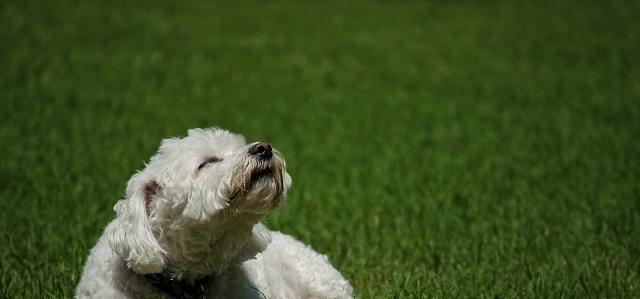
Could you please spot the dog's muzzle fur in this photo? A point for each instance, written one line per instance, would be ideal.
(257, 182)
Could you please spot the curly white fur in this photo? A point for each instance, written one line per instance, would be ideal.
(194, 211)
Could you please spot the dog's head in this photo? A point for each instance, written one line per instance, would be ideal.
(177, 206)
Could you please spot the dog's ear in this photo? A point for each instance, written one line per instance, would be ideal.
(130, 235)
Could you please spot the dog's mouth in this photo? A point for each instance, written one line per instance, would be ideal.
(261, 172)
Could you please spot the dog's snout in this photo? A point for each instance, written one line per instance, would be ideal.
(261, 149)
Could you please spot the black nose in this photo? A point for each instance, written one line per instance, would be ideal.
(261, 149)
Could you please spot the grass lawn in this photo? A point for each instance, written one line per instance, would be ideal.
(437, 150)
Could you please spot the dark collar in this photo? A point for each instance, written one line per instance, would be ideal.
(177, 288)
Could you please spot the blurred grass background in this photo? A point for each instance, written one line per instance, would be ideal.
(446, 150)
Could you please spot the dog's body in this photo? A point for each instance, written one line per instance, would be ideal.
(190, 227)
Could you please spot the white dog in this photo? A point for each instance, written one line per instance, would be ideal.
(189, 228)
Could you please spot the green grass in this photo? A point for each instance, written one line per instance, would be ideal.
(437, 150)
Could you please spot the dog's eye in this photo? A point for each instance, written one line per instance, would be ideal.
(209, 160)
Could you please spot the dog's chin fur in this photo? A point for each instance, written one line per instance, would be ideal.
(195, 211)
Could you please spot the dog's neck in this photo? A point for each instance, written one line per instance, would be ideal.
(200, 249)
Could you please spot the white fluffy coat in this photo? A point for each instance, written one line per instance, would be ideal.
(195, 211)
